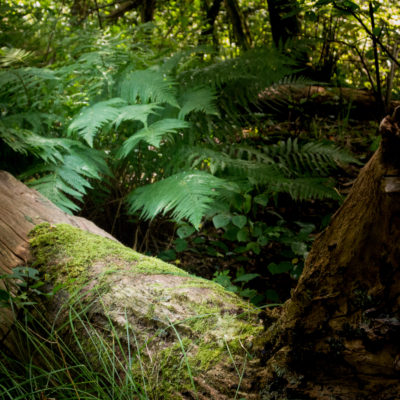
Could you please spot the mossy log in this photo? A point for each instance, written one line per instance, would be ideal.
(338, 335)
(196, 340)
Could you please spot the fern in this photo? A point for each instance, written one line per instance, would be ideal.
(287, 167)
(148, 86)
(152, 135)
(54, 188)
(199, 99)
(69, 179)
(50, 150)
(9, 57)
(187, 195)
(93, 118)
(313, 157)
(136, 112)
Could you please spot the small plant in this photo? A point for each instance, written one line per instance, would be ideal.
(22, 286)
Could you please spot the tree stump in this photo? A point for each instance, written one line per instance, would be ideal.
(338, 335)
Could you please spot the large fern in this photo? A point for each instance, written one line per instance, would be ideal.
(148, 86)
(187, 195)
(198, 99)
(162, 135)
(93, 118)
(153, 134)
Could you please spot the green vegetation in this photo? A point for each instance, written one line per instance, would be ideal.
(169, 125)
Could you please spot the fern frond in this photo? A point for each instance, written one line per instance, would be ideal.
(54, 188)
(306, 188)
(13, 56)
(70, 177)
(152, 134)
(136, 112)
(24, 141)
(187, 195)
(311, 157)
(93, 118)
(148, 86)
(200, 99)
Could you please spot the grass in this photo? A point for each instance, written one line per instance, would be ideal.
(50, 367)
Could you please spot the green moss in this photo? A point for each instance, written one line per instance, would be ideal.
(67, 252)
(207, 356)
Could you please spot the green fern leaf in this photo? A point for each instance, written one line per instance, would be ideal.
(200, 99)
(307, 188)
(93, 118)
(152, 134)
(186, 195)
(52, 187)
(136, 112)
(13, 56)
(148, 86)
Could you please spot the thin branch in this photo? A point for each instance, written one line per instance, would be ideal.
(369, 32)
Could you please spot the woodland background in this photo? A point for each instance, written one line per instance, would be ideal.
(219, 136)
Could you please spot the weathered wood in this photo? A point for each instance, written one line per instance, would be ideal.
(337, 337)
(161, 305)
(310, 100)
(21, 209)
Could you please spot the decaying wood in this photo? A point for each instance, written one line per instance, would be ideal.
(337, 337)
(21, 209)
(310, 100)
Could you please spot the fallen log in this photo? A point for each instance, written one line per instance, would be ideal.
(323, 101)
(169, 312)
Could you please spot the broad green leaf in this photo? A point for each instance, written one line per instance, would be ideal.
(246, 277)
(239, 220)
(280, 268)
(243, 235)
(180, 245)
(185, 231)
(221, 220)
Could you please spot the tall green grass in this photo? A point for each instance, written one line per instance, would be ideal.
(54, 362)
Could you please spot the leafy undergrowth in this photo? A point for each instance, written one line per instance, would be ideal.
(259, 253)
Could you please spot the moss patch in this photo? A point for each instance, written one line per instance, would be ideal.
(66, 253)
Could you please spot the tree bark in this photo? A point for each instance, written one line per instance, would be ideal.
(284, 21)
(240, 28)
(337, 337)
(211, 14)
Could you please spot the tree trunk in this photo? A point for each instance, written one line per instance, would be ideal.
(148, 9)
(284, 21)
(337, 337)
(211, 14)
(240, 28)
